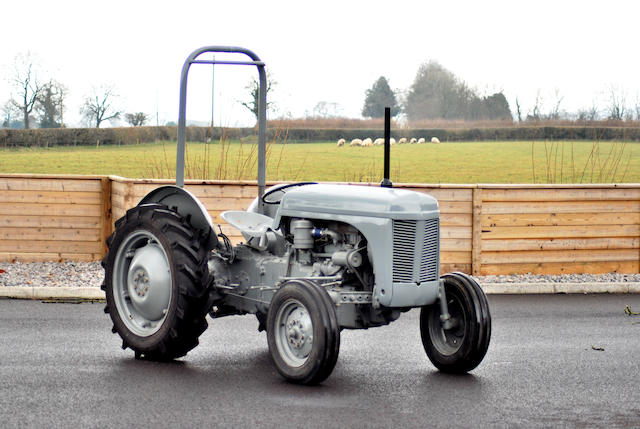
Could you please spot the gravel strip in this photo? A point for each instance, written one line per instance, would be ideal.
(90, 274)
(564, 278)
(52, 274)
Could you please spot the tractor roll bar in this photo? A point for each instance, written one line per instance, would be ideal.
(262, 110)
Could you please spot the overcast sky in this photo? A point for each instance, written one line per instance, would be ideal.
(323, 51)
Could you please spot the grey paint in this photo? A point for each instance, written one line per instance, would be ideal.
(371, 210)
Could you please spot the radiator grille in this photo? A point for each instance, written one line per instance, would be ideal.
(404, 244)
(429, 257)
(415, 250)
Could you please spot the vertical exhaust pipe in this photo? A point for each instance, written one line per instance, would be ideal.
(386, 183)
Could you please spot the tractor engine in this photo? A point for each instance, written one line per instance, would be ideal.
(374, 250)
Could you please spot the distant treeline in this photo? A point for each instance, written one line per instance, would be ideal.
(46, 137)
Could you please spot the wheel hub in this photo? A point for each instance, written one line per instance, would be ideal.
(295, 333)
(149, 282)
(141, 282)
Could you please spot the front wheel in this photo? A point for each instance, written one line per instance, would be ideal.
(303, 332)
(462, 346)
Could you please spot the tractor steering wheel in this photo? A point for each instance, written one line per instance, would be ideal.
(274, 196)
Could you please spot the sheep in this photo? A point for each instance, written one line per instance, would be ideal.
(356, 142)
(421, 140)
(378, 142)
(435, 140)
(367, 142)
(392, 141)
(413, 140)
(341, 142)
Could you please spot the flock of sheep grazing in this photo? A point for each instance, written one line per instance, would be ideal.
(379, 142)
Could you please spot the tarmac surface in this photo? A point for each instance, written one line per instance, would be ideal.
(554, 361)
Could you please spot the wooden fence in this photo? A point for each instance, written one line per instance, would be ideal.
(51, 218)
(485, 229)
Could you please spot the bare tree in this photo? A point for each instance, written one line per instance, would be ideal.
(136, 119)
(98, 107)
(617, 103)
(536, 115)
(26, 85)
(8, 115)
(325, 109)
(50, 106)
(555, 110)
(518, 110)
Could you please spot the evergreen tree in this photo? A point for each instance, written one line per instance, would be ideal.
(378, 97)
(436, 93)
(254, 90)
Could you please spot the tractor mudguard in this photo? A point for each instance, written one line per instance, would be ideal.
(187, 205)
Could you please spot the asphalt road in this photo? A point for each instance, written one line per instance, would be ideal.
(60, 366)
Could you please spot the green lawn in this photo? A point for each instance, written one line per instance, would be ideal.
(477, 162)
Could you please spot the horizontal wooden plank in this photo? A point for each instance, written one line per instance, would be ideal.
(49, 184)
(627, 267)
(34, 209)
(455, 207)
(50, 197)
(139, 190)
(561, 244)
(118, 188)
(451, 267)
(455, 257)
(222, 204)
(224, 191)
(47, 221)
(506, 232)
(455, 232)
(456, 219)
(47, 246)
(561, 207)
(117, 214)
(443, 194)
(455, 244)
(50, 234)
(560, 219)
(117, 204)
(571, 256)
(49, 257)
(201, 191)
(560, 194)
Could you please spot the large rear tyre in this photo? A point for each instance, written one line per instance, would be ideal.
(303, 332)
(155, 282)
(462, 347)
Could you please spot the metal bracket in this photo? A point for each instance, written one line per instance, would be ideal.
(350, 297)
(445, 317)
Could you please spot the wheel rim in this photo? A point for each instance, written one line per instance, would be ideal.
(142, 283)
(448, 341)
(294, 333)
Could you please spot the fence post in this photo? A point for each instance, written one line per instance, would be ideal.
(107, 223)
(476, 232)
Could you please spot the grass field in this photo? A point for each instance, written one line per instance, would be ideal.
(477, 162)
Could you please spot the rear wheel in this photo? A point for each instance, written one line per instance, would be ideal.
(155, 282)
(462, 346)
(303, 332)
